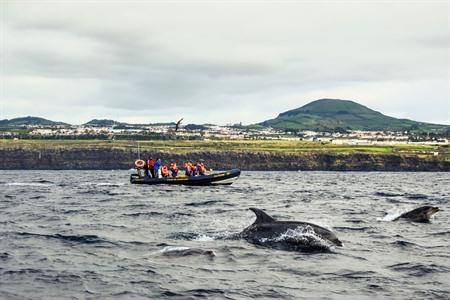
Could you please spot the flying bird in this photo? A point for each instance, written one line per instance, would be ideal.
(178, 124)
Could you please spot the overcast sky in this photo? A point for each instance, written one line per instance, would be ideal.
(221, 62)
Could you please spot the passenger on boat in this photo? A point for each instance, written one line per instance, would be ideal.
(157, 168)
(145, 169)
(194, 170)
(151, 165)
(188, 168)
(174, 169)
(201, 168)
(164, 171)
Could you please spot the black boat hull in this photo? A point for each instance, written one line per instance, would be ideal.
(221, 178)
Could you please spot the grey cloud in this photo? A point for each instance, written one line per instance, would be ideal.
(133, 57)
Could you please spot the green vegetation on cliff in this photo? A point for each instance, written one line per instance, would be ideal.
(251, 146)
(244, 154)
(334, 114)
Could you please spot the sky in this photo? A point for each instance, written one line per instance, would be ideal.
(221, 62)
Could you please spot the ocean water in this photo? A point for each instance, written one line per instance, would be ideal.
(92, 235)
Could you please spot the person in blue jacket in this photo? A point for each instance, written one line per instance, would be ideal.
(157, 168)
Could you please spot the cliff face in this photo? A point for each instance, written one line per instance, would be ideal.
(98, 159)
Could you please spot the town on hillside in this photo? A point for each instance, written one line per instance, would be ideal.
(325, 120)
(168, 131)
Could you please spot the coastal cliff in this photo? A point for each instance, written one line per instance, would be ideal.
(93, 159)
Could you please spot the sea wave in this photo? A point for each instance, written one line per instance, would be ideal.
(112, 184)
(202, 203)
(79, 239)
(59, 243)
(419, 269)
(34, 184)
(404, 244)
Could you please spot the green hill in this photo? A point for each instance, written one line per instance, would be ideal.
(29, 121)
(335, 114)
(103, 123)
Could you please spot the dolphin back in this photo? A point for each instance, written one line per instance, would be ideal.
(261, 216)
(266, 228)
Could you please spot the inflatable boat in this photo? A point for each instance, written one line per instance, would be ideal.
(219, 178)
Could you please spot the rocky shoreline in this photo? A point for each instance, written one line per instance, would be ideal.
(98, 159)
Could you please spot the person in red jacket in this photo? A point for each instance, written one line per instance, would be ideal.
(151, 164)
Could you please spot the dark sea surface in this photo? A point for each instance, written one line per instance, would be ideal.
(92, 235)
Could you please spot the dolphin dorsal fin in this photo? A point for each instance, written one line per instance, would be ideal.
(261, 216)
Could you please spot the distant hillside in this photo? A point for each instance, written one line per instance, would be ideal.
(103, 122)
(335, 114)
(29, 121)
(195, 127)
(108, 122)
(94, 122)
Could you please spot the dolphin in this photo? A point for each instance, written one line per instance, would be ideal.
(287, 235)
(421, 214)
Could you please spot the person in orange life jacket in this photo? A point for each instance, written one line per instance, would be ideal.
(157, 168)
(164, 171)
(201, 168)
(194, 170)
(188, 168)
(174, 169)
(151, 165)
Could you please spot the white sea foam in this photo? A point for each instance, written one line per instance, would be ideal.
(392, 215)
(172, 249)
(204, 238)
(304, 234)
(183, 251)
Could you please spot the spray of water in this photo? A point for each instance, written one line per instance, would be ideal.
(302, 235)
(393, 214)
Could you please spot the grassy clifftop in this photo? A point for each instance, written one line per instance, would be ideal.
(251, 146)
(247, 155)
